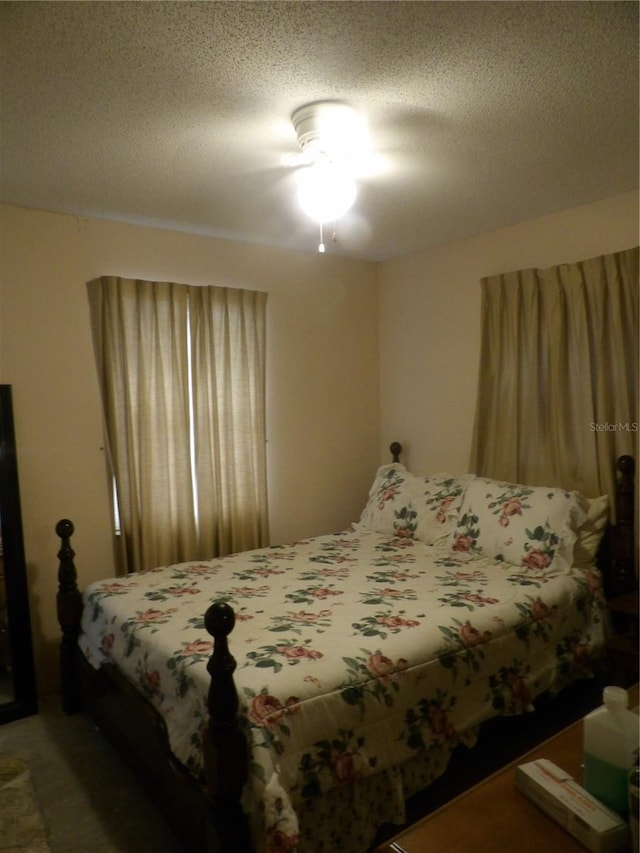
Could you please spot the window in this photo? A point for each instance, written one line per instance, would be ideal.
(558, 386)
(181, 371)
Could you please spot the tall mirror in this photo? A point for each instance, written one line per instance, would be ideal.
(18, 696)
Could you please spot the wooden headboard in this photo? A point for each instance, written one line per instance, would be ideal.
(617, 558)
(618, 555)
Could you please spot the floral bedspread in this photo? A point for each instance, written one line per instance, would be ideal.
(355, 653)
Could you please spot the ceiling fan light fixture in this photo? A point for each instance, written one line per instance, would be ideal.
(333, 139)
(325, 191)
(329, 128)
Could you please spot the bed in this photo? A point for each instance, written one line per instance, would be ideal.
(360, 659)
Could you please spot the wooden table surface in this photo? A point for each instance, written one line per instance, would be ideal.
(494, 816)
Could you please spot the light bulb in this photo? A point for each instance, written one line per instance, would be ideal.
(326, 191)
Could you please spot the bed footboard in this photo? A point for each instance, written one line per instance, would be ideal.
(226, 756)
(69, 607)
(210, 817)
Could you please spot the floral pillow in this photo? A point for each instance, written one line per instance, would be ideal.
(530, 527)
(590, 533)
(389, 507)
(437, 501)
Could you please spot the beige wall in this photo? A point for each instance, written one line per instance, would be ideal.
(430, 322)
(322, 381)
(346, 374)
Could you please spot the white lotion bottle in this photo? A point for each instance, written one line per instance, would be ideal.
(611, 735)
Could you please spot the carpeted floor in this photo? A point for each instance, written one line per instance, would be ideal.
(88, 797)
(22, 824)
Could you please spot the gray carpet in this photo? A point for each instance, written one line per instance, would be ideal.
(87, 795)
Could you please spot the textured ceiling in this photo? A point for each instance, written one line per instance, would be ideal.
(177, 114)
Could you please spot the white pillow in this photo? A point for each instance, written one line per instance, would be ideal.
(534, 528)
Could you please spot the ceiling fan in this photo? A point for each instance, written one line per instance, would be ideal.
(330, 129)
(335, 151)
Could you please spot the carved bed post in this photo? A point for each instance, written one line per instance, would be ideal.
(623, 564)
(226, 757)
(69, 606)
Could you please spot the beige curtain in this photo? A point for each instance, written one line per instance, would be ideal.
(558, 384)
(181, 371)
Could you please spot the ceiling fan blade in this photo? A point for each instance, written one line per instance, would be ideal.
(298, 159)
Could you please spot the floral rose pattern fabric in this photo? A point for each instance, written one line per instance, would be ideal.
(356, 652)
(532, 527)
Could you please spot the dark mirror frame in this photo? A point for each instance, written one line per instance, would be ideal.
(24, 701)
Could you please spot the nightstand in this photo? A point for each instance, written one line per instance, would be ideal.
(623, 645)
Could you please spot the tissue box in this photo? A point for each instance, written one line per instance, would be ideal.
(587, 819)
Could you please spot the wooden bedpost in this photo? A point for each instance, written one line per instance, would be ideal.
(623, 546)
(226, 757)
(69, 606)
(395, 448)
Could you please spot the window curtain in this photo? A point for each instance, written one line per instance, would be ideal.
(182, 377)
(558, 384)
